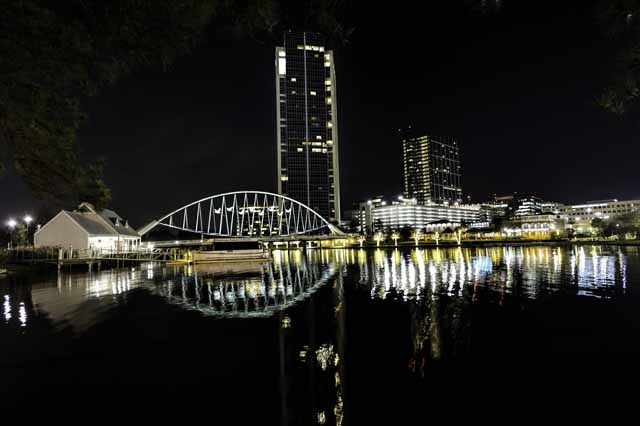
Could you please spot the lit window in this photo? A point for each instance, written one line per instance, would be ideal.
(300, 149)
(313, 93)
(281, 54)
(293, 79)
(284, 178)
(282, 66)
(329, 101)
(319, 137)
(329, 124)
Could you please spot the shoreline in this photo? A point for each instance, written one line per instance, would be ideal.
(489, 243)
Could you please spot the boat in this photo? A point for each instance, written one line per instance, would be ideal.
(231, 255)
(231, 268)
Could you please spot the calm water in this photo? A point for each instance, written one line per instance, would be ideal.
(332, 337)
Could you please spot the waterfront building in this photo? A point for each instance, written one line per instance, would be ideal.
(365, 214)
(378, 215)
(431, 168)
(519, 205)
(535, 226)
(603, 209)
(307, 123)
(87, 228)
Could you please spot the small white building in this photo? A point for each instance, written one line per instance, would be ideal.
(86, 228)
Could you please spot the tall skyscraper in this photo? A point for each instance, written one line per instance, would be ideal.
(432, 171)
(308, 166)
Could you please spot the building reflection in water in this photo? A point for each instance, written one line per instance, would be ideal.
(304, 296)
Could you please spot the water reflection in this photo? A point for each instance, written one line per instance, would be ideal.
(305, 305)
(247, 289)
(262, 289)
(525, 271)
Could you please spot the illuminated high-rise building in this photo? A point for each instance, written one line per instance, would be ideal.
(308, 166)
(432, 171)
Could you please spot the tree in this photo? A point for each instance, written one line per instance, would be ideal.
(91, 187)
(54, 54)
(621, 20)
(628, 223)
(406, 232)
(600, 226)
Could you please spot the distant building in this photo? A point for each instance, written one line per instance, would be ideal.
(308, 163)
(604, 209)
(520, 205)
(535, 226)
(378, 215)
(431, 168)
(86, 228)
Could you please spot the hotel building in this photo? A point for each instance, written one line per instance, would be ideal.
(378, 215)
(307, 130)
(431, 168)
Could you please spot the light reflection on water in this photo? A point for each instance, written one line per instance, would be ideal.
(528, 271)
(299, 303)
(260, 289)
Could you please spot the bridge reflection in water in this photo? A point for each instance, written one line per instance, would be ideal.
(441, 296)
(246, 289)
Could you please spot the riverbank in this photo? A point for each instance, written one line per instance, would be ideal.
(492, 243)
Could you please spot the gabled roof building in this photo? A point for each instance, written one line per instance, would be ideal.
(86, 228)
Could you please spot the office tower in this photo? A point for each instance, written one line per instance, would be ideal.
(307, 116)
(431, 168)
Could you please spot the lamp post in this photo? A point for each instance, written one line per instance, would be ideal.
(11, 223)
(28, 219)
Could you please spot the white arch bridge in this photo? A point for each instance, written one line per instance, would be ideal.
(246, 215)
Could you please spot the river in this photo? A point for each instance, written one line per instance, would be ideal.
(331, 336)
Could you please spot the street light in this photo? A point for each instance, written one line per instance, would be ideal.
(28, 219)
(11, 223)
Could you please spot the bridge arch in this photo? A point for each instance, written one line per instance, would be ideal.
(248, 214)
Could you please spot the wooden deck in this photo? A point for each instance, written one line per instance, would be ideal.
(61, 257)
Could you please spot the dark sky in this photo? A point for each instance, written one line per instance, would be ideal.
(516, 89)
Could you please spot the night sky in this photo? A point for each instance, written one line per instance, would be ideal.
(516, 89)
